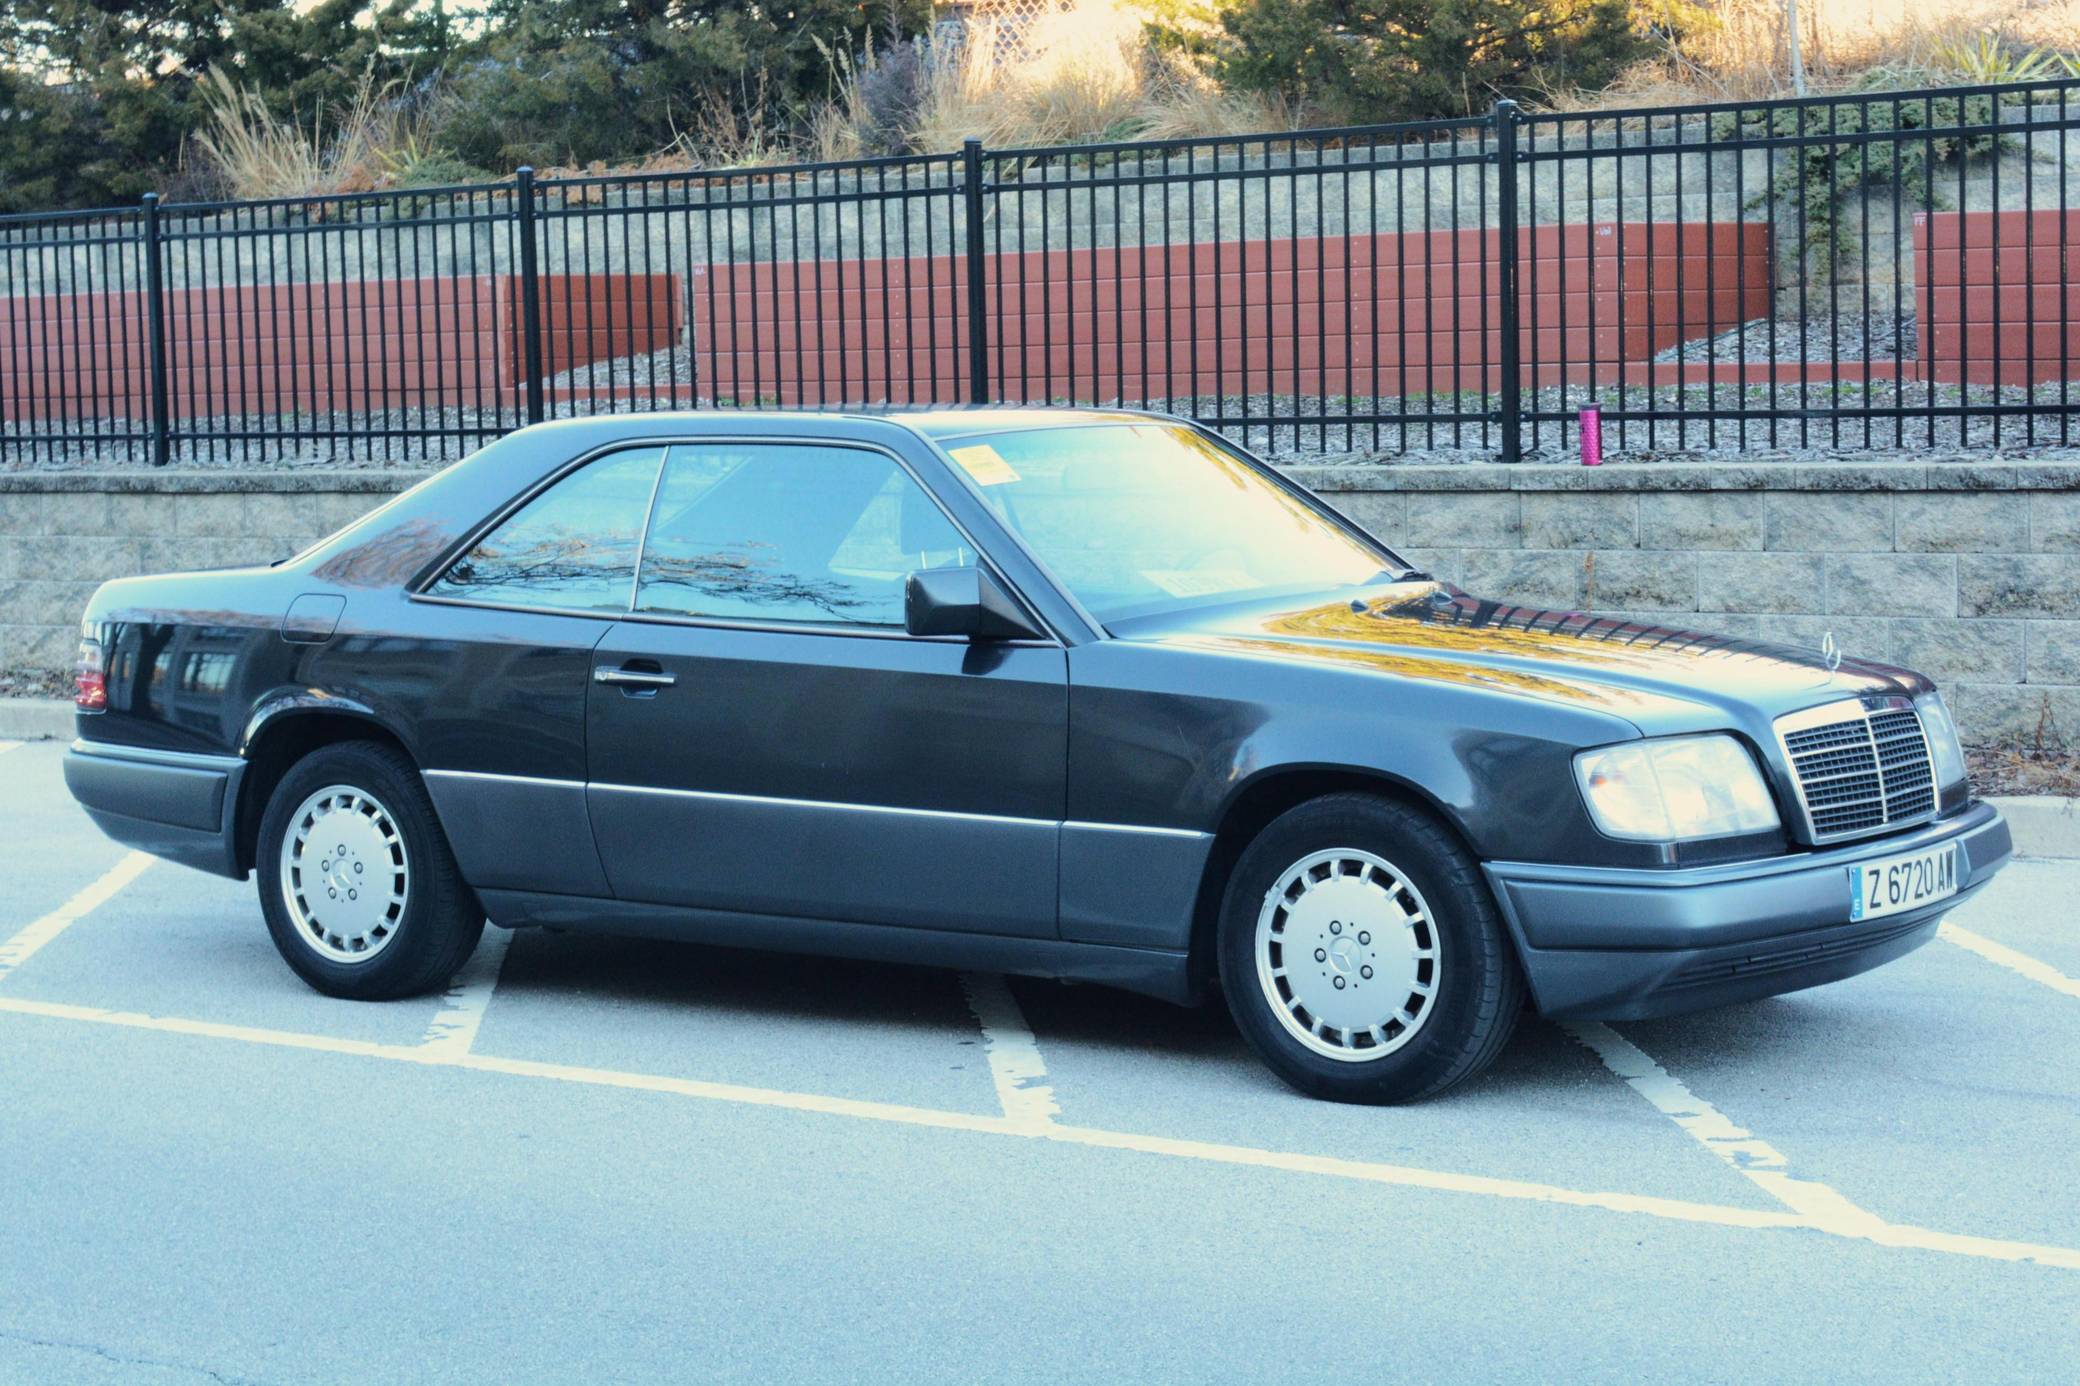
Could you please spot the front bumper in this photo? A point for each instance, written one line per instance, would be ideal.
(173, 804)
(1621, 944)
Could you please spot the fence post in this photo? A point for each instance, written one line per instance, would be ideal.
(530, 293)
(978, 319)
(1504, 117)
(155, 335)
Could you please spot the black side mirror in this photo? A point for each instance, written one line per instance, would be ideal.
(962, 601)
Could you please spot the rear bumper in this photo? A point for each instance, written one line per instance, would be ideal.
(1621, 944)
(173, 804)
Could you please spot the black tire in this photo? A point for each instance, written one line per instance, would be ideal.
(1478, 987)
(440, 921)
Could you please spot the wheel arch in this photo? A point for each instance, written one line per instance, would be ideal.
(280, 736)
(1261, 799)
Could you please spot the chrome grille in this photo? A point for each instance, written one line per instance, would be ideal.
(1861, 766)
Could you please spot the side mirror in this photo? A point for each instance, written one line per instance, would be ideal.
(962, 601)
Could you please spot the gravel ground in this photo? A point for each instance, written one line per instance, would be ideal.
(1790, 421)
(1880, 335)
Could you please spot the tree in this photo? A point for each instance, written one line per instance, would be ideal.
(569, 81)
(1379, 60)
(127, 100)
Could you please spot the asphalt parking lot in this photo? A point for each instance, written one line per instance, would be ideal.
(598, 1159)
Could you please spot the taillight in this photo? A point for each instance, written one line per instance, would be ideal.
(90, 679)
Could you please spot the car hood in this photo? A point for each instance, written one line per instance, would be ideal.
(1659, 677)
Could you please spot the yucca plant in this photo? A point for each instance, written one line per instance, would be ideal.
(1989, 59)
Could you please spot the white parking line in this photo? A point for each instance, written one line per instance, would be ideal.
(6, 746)
(1015, 1065)
(1678, 1210)
(2007, 957)
(1752, 1157)
(23, 946)
(454, 1031)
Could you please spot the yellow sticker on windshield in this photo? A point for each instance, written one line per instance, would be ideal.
(982, 462)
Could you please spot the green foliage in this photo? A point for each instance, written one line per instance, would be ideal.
(544, 82)
(571, 81)
(52, 143)
(1988, 60)
(1812, 179)
(118, 123)
(1381, 60)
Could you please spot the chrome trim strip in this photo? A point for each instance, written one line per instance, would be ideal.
(186, 760)
(720, 797)
(635, 577)
(1134, 828)
(503, 779)
(717, 796)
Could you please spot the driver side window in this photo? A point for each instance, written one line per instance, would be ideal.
(790, 532)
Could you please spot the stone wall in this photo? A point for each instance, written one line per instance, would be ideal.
(1965, 568)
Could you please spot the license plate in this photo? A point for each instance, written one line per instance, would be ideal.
(1892, 884)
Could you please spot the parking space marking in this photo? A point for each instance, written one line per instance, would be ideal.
(454, 1030)
(1752, 1157)
(1015, 1065)
(23, 946)
(1677, 1210)
(2007, 957)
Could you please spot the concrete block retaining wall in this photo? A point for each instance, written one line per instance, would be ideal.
(1968, 569)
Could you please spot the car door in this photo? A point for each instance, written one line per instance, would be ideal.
(763, 736)
(499, 650)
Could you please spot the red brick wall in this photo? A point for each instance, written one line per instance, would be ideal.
(347, 346)
(1314, 315)
(1998, 287)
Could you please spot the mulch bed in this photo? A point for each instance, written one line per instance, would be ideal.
(2005, 770)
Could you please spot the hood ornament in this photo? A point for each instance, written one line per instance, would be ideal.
(1831, 651)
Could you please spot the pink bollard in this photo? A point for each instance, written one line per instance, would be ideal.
(1592, 436)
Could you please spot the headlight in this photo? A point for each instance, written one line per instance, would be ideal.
(1945, 751)
(1676, 788)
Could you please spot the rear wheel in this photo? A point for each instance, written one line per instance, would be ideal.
(360, 889)
(1362, 955)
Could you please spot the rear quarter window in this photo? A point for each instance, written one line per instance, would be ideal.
(574, 546)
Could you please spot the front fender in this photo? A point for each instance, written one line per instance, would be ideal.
(1175, 736)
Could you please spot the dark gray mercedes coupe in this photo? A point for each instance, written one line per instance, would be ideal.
(1063, 693)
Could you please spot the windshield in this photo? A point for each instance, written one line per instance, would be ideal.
(1141, 519)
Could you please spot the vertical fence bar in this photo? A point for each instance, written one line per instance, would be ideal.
(1504, 120)
(530, 280)
(978, 315)
(155, 309)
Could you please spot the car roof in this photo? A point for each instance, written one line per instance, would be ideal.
(962, 421)
(936, 422)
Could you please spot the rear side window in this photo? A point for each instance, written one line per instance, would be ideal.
(574, 546)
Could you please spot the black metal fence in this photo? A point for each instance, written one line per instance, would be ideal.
(1889, 270)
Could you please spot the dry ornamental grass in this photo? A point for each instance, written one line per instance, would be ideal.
(1735, 50)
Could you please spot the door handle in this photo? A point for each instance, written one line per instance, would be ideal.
(633, 678)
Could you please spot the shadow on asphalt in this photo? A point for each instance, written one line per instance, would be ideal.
(782, 988)
(785, 989)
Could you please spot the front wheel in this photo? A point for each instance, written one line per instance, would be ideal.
(360, 889)
(1362, 955)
